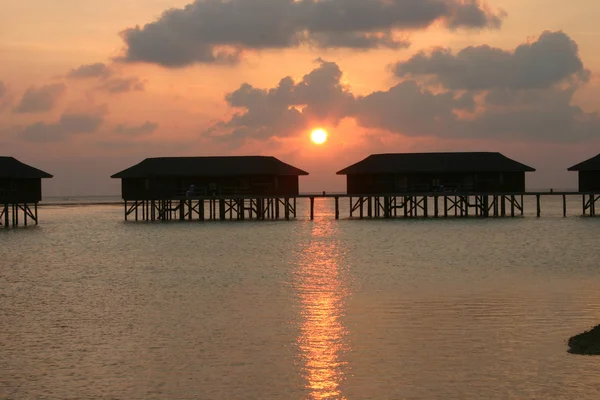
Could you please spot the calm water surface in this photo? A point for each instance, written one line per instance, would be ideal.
(92, 307)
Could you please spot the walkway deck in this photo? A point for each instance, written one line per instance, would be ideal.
(385, 205)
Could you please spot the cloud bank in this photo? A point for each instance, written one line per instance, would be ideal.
(480, 92)
(216, 31)
(550, 59)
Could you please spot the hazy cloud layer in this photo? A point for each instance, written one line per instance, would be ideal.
(122, 85)
(517, 104)
(197, 32)
(40, 99)
(95, 70)
(552, 58)
(69, 124)
(144, 129)
(109, 79)
(4, 99)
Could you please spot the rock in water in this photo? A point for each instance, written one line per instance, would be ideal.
(586, 343)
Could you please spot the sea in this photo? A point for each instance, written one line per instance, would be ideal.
(92, 307)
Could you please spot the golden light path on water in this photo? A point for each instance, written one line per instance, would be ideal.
(322, 293)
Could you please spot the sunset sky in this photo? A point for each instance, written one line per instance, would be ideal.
(88, 88)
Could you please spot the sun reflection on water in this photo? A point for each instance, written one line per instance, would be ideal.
(322, 293)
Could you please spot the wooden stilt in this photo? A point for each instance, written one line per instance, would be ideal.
(337, 207)
(445, 206)
(537, 200)
(456, 207)
(287, 208)
(312, 208)
(294, 207)
(564, 201)
(351, 208)
(512, 205)
(361, 211)
(522, 205)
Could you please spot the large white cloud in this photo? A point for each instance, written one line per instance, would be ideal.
(552, 58)
(196, 33)
(514, 104)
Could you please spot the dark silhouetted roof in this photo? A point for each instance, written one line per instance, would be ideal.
(434, 162)
(209, 166)
(592, 164)
(10, 167)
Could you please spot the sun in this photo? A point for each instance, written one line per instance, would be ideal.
(318, 136)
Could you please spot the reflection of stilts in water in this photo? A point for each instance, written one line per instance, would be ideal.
(322, 296)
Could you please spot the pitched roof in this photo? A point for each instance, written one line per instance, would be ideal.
(209, 166)
(591, 164)
(10, 167)
(435, 162)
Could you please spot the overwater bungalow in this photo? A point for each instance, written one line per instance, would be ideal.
(238, 186)
(589, 174)
(481, 172)
(20, 189)
(168, 177)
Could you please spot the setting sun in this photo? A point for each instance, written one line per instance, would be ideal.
(318, 136)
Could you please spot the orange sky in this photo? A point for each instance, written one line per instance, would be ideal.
(41, 41)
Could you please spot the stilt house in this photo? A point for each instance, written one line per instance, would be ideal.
(169, 177)
(480, 172)
(589, 174)
(20, 188)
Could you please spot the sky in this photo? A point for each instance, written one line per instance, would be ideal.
(88, 88)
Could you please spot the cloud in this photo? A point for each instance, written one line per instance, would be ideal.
(69, 124)
(546, 115)
(4, 97)
(95, 70)
(409, 109)
(289, 107)
(552, 58)
(109, 78)
(472, 13)
(502, 107)
(40, 99)
(144, 129)
(122, 85)
(216, 31)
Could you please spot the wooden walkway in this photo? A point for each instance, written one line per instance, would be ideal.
(395, 205)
